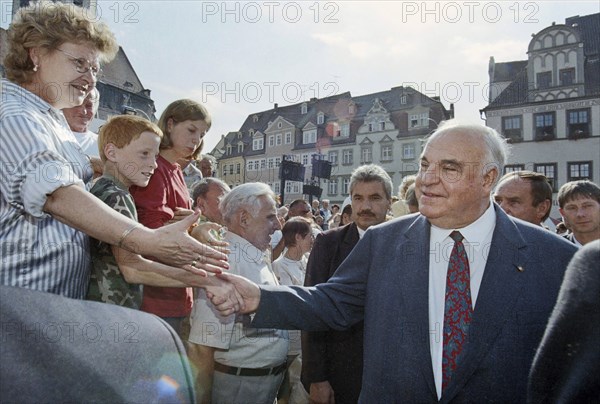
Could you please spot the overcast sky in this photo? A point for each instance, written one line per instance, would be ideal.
(241, 57)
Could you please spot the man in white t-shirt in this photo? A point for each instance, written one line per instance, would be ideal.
(79, 119)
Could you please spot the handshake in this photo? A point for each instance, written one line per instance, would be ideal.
(233, 294)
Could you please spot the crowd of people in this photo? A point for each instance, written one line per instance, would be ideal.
(453, 290)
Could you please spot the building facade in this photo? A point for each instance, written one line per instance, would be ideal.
(384, 128)
(548, 106)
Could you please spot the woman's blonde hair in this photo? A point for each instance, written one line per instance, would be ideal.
(48, 25)
(179, 111)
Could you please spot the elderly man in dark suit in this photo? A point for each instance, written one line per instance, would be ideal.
(454, 299)
(332, 360)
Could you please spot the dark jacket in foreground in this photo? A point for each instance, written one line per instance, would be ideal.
(385, 280)
(56, 350)
(566, 368)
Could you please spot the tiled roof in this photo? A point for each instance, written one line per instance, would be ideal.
(335, 109)
(515, 93)
(589, 29)
(507, 71)
(120, 73)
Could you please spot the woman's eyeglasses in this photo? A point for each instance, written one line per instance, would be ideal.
(82, 65)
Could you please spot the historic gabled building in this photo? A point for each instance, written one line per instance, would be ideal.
(548, 106)
(385, 128)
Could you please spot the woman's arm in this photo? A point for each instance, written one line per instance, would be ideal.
(171, 244)
(137, 269)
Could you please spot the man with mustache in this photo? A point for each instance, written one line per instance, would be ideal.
(332, 360)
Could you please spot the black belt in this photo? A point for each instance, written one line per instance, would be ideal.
(219, 367)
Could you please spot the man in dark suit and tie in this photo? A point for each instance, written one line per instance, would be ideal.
(332, 360)
(454, 300)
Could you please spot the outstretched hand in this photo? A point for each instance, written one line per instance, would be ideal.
(247, 291)
(210, 233)
(177, 248)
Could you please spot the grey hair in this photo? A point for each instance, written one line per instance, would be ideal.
(203, 186)
(94, 95)
(245, 196)
(497, 149)
(371, 173)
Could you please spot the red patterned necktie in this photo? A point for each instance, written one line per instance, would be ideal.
(457, 308)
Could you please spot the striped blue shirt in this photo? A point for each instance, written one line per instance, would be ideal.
(39, 154)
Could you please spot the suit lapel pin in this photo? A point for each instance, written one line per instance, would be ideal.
(520, 268)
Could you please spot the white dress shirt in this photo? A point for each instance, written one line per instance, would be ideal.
(477, 241)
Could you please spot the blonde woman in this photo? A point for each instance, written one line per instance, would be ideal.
(46, 215)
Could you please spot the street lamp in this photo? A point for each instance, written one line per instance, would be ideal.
(436, 124)
(128, 110)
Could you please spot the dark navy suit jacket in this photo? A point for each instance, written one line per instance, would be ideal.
(385, 281)
(335, 356)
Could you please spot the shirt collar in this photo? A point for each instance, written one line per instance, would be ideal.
(114, 179)
(474, 233)
(28, 97)
(240, 248)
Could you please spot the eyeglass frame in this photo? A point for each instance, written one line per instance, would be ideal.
(80, 66)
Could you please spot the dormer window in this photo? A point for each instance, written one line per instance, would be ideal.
(229, 149)
(303, 108)
(351, 109)
(320, 118)
(251, 132)
(255, 118)
(258, 144)
(403, 99)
